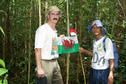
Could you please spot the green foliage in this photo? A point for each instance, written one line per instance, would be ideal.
(4, 81)
(2, 63)
(3, 73)
(1, 11)
(20, 28)
(123, 24)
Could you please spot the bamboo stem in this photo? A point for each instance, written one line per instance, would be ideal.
(40, 20)
(68, 57)
(46, 6)
(82, 65)
(82, 68)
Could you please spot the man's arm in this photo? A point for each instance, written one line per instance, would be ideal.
(110, 77)
(82, 50)
(40, 72)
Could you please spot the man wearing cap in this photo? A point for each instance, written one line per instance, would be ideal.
(102, 63)
(46, 48)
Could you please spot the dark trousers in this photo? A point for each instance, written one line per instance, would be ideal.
(99, 76)
(41, 80)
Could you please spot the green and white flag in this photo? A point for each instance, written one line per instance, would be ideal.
(68, 44)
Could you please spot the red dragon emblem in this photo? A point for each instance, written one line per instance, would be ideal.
(68, 44)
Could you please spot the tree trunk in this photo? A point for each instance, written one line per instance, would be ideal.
(29, 45)
(8, 31)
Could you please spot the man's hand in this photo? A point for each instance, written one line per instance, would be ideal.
(62, 36)
(40, 73)
(110, 78)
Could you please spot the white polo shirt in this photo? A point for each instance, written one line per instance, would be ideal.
(100, 59)
(46, 39)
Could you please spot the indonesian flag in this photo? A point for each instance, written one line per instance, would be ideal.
(68, 44)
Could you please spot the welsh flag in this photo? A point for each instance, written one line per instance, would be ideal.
(68, 44)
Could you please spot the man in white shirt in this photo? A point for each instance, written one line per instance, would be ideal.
(102, 63)
(46, 48)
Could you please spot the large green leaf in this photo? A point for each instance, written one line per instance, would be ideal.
(3, 71)
(5, 81)
(2, 11)
(2, 63)
(0, 81)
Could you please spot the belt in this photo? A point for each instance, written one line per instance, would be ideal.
(49, 59)
(54, 59)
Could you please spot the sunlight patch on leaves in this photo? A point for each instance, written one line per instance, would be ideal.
(1, 29)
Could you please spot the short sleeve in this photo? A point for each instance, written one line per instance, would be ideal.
(40, 37)
(109, 49)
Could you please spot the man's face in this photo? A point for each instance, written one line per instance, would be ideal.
(96, 30)
(53, 16)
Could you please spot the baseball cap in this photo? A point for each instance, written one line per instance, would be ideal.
(53, 8)
(98, 24)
